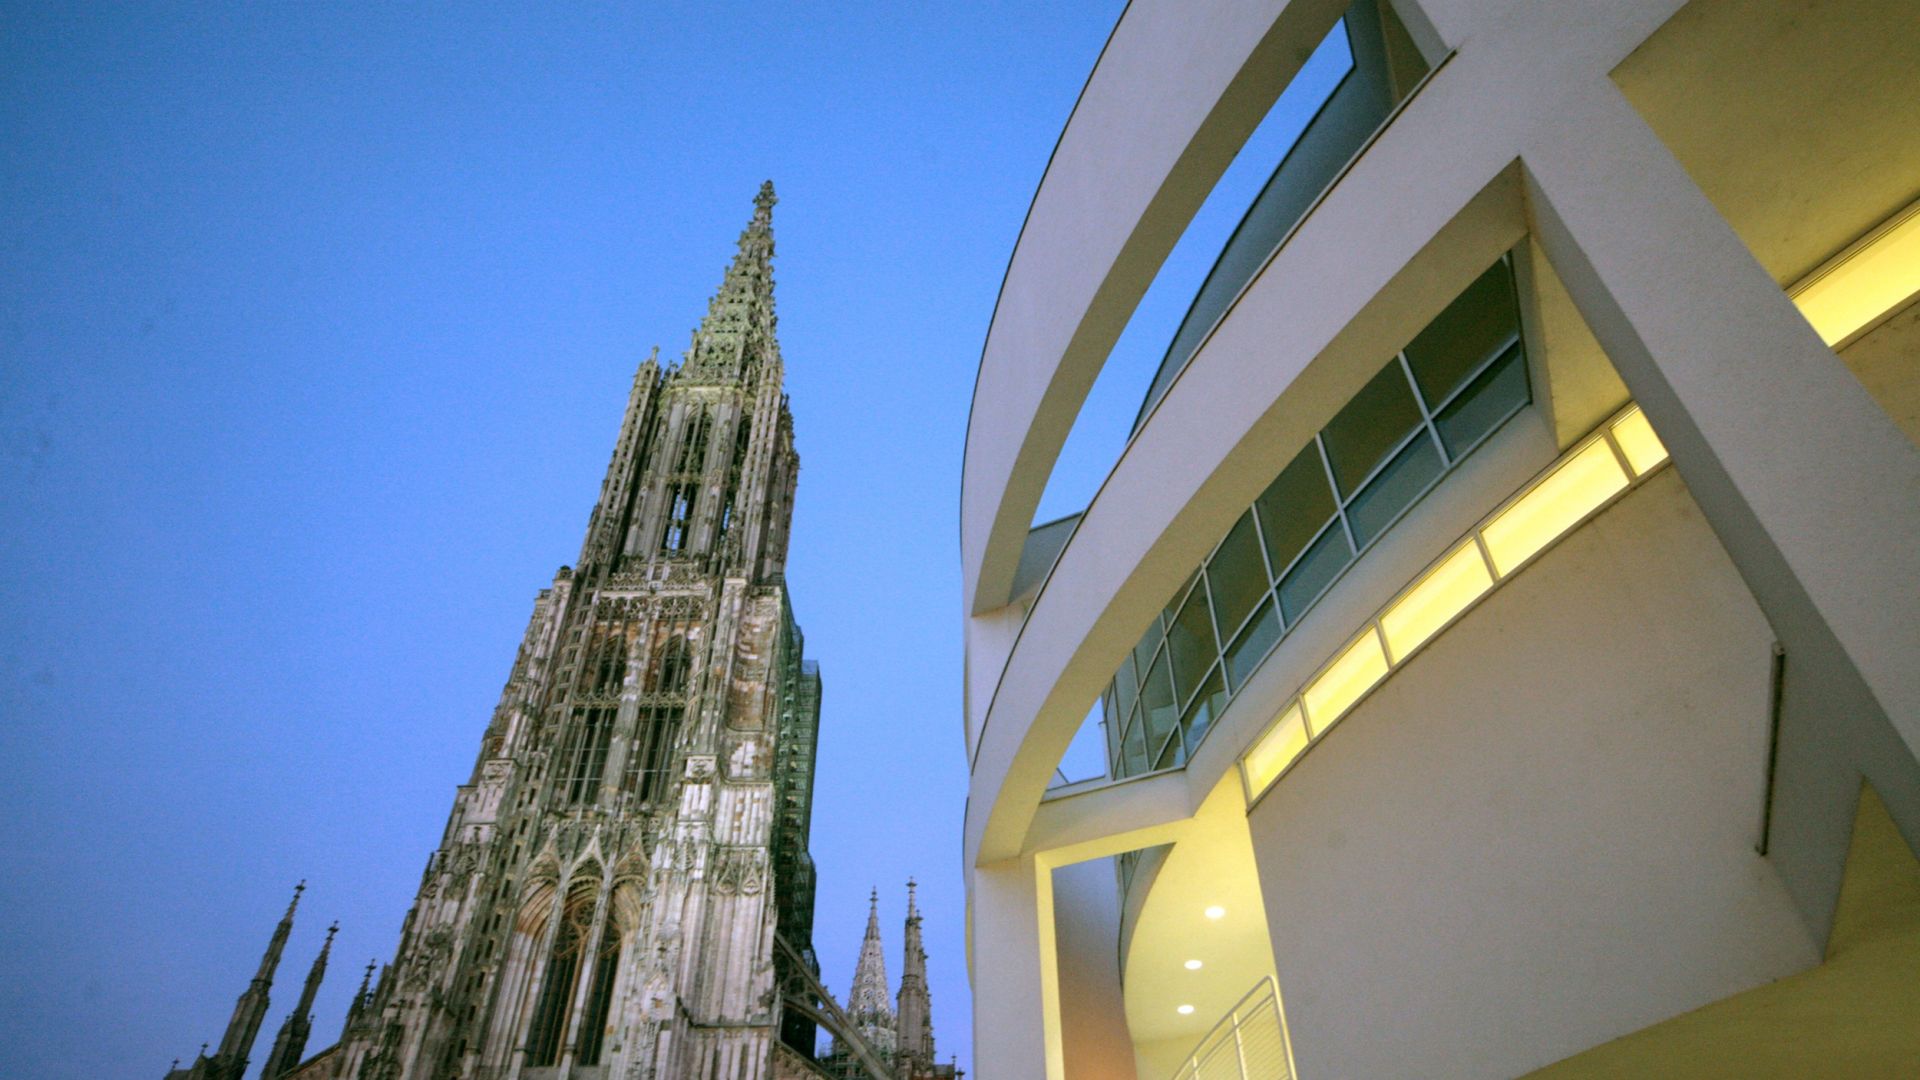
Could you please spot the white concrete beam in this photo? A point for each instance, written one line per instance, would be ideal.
(1169, 104)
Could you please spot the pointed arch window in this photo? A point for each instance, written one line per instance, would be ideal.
(742, 435)
(585, 755)
(671, 678)
(680, 502)
(693, 449)
(610, 667)
(593, 1023)
(683, 486)
(651, 758)
(554, 1006)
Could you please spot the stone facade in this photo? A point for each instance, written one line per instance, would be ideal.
(605, 899)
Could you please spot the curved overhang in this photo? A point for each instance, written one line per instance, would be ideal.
(1170, 102)
(1314, 326)
(1433, 199)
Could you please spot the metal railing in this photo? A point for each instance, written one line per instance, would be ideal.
(1249, 1043)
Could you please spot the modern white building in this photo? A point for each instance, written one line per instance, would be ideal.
(1504, 618)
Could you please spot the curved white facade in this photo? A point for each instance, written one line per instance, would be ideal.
(1592, 801)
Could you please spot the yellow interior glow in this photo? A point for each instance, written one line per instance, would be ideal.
(1582, 482)
(1276, 750)
(1879, 273)
(1458, 581)
(1350, 675)
(1635, 435)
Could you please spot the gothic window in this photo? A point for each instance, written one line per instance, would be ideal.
(585, 754)
(611, 668)
(683, 486)
(593, 1023)
(671, 677)
(550, 1012)
(652, 754)
(680, 499)
(742, 434)
(693, 450)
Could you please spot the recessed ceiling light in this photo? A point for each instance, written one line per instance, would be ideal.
(1184, 1010)
(1193, 965)
(1216, 912)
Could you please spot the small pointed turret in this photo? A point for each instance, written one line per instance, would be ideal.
(915, 1016)
(869, 1003)
(229, 1062)
(360, 999)
(291, 1044)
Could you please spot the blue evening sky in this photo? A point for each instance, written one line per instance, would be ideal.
(316, 322)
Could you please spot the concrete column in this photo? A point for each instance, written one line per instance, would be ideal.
(1095, 1044)
(1014, 972)
(1811, 488)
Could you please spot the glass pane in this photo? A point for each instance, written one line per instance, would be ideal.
(1303, 585)
(1204, 710)
(1191, 642)
(1237, 575)
(1156, 703)
(1370, 426)
(1485, 402)
(1294, 506)
(1394, 489)
(1180, 596)
(1143, 652)
(1135, 747)
(1169, 752)
(1251, 646)
(1125, 686)
(1460, 338)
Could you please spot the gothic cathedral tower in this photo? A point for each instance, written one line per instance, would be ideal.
(605, 900)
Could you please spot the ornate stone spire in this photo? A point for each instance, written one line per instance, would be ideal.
(915, 1016)
(738, 331)
(231, 1059)
(291, 1044)
(869, 1003)
(361, 995)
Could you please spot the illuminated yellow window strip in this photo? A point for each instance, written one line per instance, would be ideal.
(1345, 681)
(1277, 749)
(1585, 479)
(1445, 592)
(1875, 275)
(1642, 448)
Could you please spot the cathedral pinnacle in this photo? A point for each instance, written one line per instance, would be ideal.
(738, 331)
(870, 1002)
(291, 1044)
(914, 1011)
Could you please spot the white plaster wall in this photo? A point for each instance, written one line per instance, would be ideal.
(1093, 1020)
(1538, 835)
